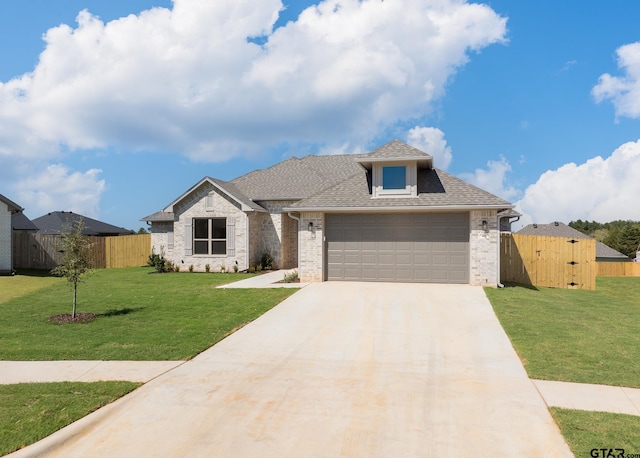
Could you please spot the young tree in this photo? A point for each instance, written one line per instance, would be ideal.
(76, 262)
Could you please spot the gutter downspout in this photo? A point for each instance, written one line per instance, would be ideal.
(297, 218)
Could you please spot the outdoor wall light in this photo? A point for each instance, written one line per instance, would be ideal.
(485, 225)
(310, 227)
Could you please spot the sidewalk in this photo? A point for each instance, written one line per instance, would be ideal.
(579, 396)
(266, 280)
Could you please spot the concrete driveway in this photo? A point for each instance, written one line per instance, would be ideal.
(338, 369)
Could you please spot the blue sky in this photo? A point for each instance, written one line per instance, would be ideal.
(538, 102)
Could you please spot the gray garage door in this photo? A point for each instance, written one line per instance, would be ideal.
(425, 247)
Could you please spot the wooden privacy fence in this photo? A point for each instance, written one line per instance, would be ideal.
(555, 262)
(618, 269)
(40, 251)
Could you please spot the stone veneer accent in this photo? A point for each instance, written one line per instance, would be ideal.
(311, 267)
(6, 234)
(194, 206)
(483, 248)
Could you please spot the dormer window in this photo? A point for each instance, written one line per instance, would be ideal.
(394, 179)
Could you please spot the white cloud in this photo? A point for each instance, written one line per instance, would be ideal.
(494, 179)
(190, 79)
(601, 189)
(58, 188)
(623, 91)
(431, 141)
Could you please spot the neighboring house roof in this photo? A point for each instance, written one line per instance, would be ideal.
(557, 229)
(20, 222)
(13, 207)
(159, 217)
(57, 222)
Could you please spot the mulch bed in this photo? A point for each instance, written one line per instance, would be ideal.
(65, 318)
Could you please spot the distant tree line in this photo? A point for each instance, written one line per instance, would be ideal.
(622, 236)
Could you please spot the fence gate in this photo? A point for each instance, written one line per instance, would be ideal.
(556, 262)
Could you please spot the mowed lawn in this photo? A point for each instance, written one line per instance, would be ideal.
(575, 335)
(141, 315)
(579, 336)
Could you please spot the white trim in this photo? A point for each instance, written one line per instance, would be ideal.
(399, 208)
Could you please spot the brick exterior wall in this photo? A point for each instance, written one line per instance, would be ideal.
(483, 248)
(194, 206)
(6, 234)
(311, 268)
(275, 233)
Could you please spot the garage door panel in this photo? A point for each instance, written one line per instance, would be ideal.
(398, 247)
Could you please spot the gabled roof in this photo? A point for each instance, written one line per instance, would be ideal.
(396, 150)
(20, 222)
(59, 221)
(558, 229)
(223, 187)
(436, 190)
(13, 207)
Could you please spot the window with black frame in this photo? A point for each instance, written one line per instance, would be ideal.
(210, 236)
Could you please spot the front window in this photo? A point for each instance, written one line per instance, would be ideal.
(394, 177)
(210, 236)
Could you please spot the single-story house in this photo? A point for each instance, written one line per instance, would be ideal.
(387, 215)
(7, 209)
(58, 222)
(604, 253)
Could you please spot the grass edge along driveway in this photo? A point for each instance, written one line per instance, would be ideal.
(579, 336)
(140, 315)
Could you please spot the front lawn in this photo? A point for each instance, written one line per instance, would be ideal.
(575, 335)
(32, 411)
(141, 315)
(585, 431)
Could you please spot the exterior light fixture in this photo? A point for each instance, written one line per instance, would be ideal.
(310, 227)
(485, 225)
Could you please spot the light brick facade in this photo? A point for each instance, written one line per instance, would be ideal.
(483, 248)
(311, 267)
(195, 205)
(274, 233)
(6, 234)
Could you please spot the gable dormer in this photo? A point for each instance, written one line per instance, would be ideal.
(394, 169)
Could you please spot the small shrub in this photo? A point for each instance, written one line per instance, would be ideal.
(292, 277)
(222, 268)
(207, 268)
(191, 268)
(251, 270)
(159, 262)
(259, 268)
(266, 261)
(235, 268)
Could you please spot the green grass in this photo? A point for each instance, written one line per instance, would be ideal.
(585, 431)
(32, 411)
(575, 335)
(24, 282)
(141, 316)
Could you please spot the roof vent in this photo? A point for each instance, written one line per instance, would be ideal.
(555, 223)
(535, 226)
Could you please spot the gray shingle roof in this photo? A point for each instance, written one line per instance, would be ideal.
(20, 222)
(57, 222)
(159, 217)
(557, 229)
(396, 149)
(296, 178)
(435, 189)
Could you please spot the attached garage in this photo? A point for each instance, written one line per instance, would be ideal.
(398, 247)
